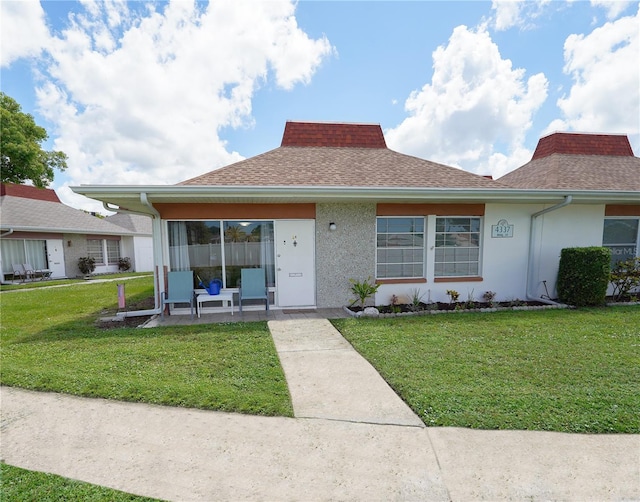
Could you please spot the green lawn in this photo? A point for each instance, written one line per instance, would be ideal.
(50, 342)
(560, 370)
(22, 485)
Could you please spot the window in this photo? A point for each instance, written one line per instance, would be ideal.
(400, 248)
(198, 246)
(457, 252)
(31, 251)
(104, 251)
(94, 250)
(113, 252)
(621, 237)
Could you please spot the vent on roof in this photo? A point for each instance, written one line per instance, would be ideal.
(28, 192)
(333, 135)
(583, 144)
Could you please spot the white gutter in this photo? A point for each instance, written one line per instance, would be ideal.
(203, 193)
(8, 232)
(530, 261)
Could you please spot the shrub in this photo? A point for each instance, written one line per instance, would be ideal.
(363, 290)
(87, 264)
(453, 295)
(625, 277)
(124, 264)
(583, 276)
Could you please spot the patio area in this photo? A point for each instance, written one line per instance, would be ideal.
(246, 316)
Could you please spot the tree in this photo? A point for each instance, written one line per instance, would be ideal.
(22, 156)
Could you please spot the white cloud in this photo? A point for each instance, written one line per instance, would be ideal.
(137, 94)
(613, 8)
(24, 31)
(605, 94)
(475, 100)
(515, 13)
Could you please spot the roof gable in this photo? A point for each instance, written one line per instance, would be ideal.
(583, 144)
(346, 155)
(579, 162)
(339, 135)
(28, 192)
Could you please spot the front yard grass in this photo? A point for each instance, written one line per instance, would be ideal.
(50, 342)
(22, 485)
(558, 370)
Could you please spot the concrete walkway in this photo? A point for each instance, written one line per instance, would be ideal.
(344, 450)
(328, 379)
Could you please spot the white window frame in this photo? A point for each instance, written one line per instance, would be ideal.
(409, 249)
(102, 257)
(452, 260)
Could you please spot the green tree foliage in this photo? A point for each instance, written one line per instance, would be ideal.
(22, 156)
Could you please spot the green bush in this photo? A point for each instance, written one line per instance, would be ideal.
(583, 276)
(625, 278)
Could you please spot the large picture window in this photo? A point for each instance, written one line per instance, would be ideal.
(621, 237)
(400, 248)
(457, 252)
(19, 251)
(198, 246)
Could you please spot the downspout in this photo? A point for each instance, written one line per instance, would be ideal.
(157, 249)
(530, 261)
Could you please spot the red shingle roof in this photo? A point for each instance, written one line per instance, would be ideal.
(333, 135)
(583, 144)
(346, 155)
(579, 162)
(28, 192)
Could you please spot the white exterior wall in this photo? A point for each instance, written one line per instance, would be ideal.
(504, 261)
(577, 225)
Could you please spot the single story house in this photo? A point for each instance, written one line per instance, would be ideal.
(36, 228)
(333, 203)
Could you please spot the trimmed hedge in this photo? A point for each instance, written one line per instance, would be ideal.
(583, 276)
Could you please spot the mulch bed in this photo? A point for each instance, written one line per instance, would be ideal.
(460, 306)
(127, 322)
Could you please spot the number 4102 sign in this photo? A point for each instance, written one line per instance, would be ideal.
(502, 230)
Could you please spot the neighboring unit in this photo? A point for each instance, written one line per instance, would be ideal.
(37, 229)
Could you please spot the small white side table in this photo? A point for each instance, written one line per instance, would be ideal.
(205, 297)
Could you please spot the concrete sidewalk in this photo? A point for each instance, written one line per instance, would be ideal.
(344, 450)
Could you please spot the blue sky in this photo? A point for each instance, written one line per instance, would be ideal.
(155, 93)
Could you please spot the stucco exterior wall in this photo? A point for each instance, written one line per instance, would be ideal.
(577, 225)
(345, 253)
(74, 252)
(504, 261)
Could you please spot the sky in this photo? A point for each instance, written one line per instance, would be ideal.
(155, 93)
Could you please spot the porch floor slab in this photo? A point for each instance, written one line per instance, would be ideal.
(247, 316)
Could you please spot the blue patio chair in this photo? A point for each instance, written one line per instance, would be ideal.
(179, 289)
(253, 286)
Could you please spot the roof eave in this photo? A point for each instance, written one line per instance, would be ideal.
(129, 196)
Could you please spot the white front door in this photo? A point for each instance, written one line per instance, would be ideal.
(295, 263)
(55, 258)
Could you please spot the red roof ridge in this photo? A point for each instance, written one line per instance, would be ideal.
(333, 134)
(29, 192)
(583, 144)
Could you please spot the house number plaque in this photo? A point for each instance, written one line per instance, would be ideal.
(502, 230)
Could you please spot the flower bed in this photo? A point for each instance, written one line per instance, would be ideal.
(447, 308)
